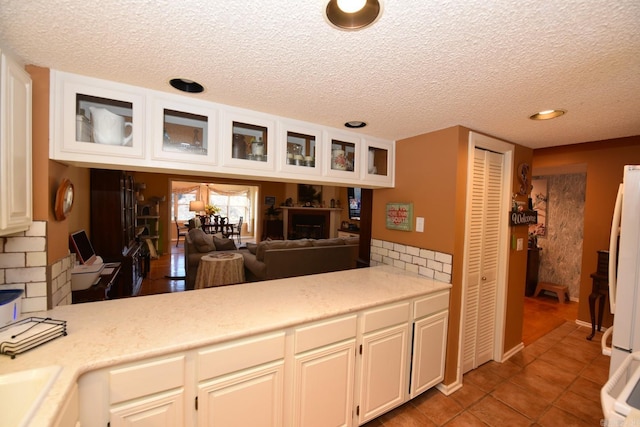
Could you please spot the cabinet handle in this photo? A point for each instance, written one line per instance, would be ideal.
(484, 277)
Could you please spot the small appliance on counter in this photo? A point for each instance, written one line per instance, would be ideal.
(10, 305)
(84, 276)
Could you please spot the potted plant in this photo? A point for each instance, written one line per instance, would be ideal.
(272, 212)
(211, 210)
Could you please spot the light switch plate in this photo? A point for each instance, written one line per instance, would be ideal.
(420, 224)
(520, 245)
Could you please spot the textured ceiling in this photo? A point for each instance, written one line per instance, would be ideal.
(424, 65)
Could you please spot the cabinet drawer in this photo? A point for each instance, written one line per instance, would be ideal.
(430, 304)
(145, 378)
(240, 355)
(328, 332)
(385, 316)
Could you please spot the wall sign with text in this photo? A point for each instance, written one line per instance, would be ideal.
(525, 217)
(399, 216)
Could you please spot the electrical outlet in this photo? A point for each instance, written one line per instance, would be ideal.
(420, 224)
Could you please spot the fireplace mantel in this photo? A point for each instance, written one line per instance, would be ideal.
(332, 213)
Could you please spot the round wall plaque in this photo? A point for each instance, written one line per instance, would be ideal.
(64, 200)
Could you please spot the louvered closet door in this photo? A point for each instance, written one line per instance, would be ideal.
(482, 259)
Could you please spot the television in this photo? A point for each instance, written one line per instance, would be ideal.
(80, 244)
(354, 200)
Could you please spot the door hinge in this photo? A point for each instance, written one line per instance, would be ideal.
(196, 403)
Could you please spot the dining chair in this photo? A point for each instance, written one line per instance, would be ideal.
(236, 230)
(181, 231)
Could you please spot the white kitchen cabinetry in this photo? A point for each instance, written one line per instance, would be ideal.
(16, 204)
(242, 383)
(184, 132)
(431, 316)
(109, 125)
(150, 392)
(97, 121)
(323, 373)
(384, 364)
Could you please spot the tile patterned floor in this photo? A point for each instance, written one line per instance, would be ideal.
(555, 381)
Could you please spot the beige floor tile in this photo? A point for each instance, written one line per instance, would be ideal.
(497, 414)
(483, 378)
(580, 406)
(437, 407)
(556, 417)
(586, 388)
(558, 359)
(521, 399)
(547, 390)
(468, 395)
(550, 372)
(466, 419)
(406, 415)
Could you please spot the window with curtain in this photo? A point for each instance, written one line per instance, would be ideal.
(180, 203)
(233, 204)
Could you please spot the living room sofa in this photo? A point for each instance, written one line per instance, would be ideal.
(273, 259)
(277, 259)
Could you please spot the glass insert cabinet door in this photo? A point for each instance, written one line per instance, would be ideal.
(377, 161)
(249, 142)
(343, 155)
(301, 149)
(104, 121)
(185, 132)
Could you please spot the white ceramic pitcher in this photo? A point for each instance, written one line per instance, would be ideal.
(109, 128)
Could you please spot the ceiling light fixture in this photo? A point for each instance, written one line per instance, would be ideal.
(355, 124)
(186, 85)
(353, 14)
(547, 114)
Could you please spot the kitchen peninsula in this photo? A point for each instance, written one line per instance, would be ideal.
(212, 337)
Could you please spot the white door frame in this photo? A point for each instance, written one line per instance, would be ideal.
(477, 140)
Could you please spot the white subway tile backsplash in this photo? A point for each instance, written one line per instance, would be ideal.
(12, 260)
(37, 229)
(432, 264)
(25, 244)
(36, 259)
(36, 289)
(34, 304)
(26, 274)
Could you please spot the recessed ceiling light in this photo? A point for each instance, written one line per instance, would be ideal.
(352, 14)
(186, 85)
(355, 124)
(547, 114)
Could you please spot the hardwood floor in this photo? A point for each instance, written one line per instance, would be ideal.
(555, 380)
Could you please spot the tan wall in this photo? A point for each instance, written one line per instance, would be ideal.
(604, 161)
(431, 174)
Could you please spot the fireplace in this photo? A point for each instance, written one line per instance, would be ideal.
(308, 223)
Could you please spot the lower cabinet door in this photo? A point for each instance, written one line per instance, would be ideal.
(429, 349)
(162, 410)
(383, 384)
(323, 386)
(251, 397)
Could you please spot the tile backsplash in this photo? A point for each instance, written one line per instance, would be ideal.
(23, 265)
(425, 262)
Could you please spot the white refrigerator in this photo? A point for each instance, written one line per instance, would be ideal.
(624, 281)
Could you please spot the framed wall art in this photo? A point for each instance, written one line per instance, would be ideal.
(399, 216)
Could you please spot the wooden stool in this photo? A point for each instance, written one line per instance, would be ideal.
(561, 291)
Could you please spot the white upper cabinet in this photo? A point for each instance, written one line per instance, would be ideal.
(96, 118)
(98, 123)
(184, 132)
(248, 141)
(300, 151)
(16, 204)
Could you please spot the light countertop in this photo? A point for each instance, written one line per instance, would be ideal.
(106, 333)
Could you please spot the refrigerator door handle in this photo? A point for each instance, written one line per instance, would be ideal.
(613, 249)
(606, 350)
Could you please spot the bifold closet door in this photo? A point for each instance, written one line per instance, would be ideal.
(482, 259)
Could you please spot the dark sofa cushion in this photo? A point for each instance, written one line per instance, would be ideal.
(328, 242)
(201, 240)
(223, 244)
(280, 244)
